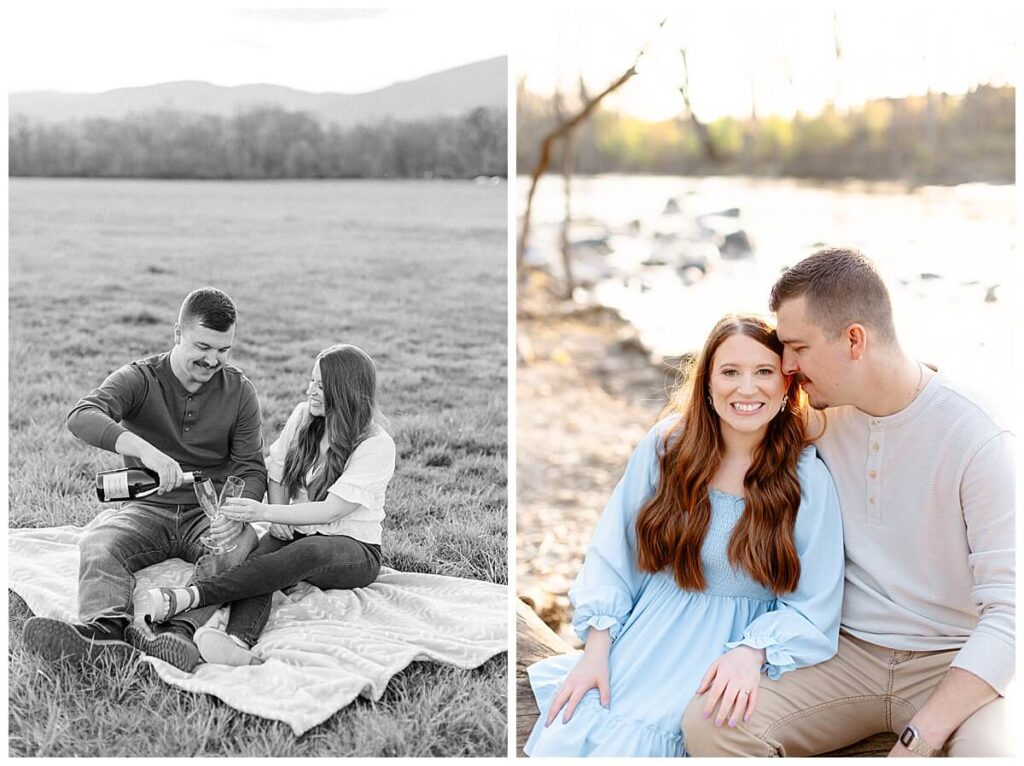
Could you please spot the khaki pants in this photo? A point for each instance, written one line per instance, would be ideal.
(865, 689)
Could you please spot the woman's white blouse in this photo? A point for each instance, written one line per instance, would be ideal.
(364, 480)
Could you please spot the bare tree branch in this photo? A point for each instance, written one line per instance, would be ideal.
(559, 132)
(568, 146)
(567, 161)
(703, 134)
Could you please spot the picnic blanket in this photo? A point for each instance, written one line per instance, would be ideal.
(322, 649)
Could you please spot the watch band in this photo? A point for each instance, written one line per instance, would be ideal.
(911, 739)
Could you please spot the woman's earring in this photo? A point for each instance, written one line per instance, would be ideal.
(785, 401)
(711, 402)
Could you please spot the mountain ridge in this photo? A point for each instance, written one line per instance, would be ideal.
(449, 92)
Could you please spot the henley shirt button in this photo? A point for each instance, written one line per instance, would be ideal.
(871, 500)
(872, 474)
(875, 446)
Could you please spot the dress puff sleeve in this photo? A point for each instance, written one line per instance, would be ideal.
(608, 583)
(279, 449)
(804, 627)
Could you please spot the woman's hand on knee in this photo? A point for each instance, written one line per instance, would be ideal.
(731, 684)
(281, 531)
(591, 672)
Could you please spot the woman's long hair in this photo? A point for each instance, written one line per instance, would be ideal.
(349, 379)
(672, 525)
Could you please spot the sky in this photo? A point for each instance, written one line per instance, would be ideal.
(88, 47)
(781, 53)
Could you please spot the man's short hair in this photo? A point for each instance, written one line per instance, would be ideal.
(841, 287)
(208, 307)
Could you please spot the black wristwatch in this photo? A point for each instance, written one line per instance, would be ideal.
(911, 739)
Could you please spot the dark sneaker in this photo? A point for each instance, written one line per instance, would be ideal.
(169, 646)
(56, 640)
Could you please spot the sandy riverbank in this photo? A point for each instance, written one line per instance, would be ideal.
(586, 393)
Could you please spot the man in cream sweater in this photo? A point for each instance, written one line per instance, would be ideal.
(926, 484)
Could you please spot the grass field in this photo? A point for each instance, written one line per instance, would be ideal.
(412, 272)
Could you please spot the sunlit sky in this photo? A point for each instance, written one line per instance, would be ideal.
(95, 46)
(781, 53)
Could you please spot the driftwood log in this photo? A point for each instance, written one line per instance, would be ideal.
(535, 641)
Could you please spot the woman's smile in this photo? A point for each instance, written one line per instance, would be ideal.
(746, 408)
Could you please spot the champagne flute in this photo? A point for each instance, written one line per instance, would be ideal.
(207, 497)
(233, 487)
(208, 501)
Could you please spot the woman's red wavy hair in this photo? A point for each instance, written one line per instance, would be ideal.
(672, 525)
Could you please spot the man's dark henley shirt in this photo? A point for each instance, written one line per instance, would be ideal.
(217, 430)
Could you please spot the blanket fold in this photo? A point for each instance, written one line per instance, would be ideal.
(321, 649)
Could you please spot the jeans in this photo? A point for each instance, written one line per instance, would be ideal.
(139, 535)
(326, 561)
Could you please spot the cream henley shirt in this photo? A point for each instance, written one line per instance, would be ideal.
(927, 497)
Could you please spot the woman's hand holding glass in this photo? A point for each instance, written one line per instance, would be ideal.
(591, 672)
(245, 510)
(734, 678)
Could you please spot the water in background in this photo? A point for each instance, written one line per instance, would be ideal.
(942, 251)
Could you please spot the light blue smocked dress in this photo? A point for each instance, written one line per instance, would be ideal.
(664, 638)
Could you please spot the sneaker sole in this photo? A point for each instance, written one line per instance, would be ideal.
(217, 647)
(56, 641)
(171, 648)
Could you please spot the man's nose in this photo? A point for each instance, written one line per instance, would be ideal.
(789, 365)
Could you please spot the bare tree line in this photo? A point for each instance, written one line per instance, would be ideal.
(933, 138)
(261, 143)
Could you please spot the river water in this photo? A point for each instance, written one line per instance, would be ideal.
(941, 250)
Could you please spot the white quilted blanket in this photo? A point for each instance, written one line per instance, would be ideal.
(321, 648)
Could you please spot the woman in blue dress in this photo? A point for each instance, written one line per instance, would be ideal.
(718, 560)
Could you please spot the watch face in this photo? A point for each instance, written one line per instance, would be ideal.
(907, 737)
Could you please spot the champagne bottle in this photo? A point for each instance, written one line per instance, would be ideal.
(133, 483)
